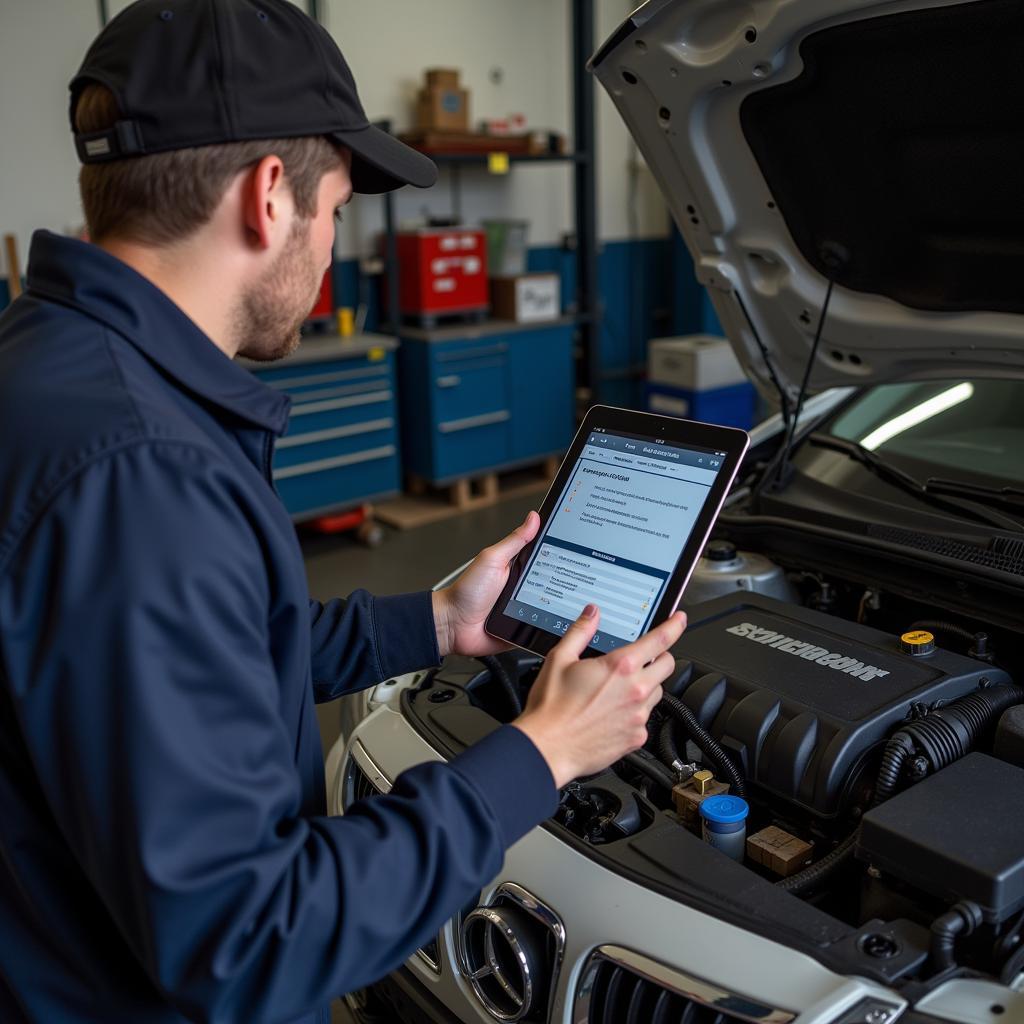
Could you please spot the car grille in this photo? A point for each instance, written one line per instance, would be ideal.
(357, 784)
(613, 993)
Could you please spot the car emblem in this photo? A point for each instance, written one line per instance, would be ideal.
(497, 963)
(510, 950)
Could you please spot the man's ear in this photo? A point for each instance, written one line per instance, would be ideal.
(267, 203)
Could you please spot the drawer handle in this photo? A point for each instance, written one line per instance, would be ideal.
(485, 420)
(453, 380)
(342, 403)
(339, 391)
(473, 353)
(367, 427)
(284, 383)
(322, 465)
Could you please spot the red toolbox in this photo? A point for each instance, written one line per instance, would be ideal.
(324, 308)
(442, 270)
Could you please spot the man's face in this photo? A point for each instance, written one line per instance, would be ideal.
(272, 309)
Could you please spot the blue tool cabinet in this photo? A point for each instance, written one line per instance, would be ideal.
(484, 397)
(341, 447)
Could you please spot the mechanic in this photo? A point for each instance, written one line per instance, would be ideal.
(164, 847)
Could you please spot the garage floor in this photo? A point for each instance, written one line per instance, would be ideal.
(407, 560)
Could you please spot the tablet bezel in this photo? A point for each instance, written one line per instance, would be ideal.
(669, 430)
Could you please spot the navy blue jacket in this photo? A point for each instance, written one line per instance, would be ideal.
(164, 847)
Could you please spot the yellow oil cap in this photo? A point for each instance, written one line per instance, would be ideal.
(917, 643)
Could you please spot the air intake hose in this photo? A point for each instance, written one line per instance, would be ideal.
(709, 746)
(962, 919)
(944, 735)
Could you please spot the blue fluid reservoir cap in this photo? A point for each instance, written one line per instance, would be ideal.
(724, 810)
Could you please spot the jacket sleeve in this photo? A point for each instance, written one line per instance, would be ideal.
(363, 640)
(135, 646)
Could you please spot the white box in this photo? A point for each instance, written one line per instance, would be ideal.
(694, 362)
(527, 298)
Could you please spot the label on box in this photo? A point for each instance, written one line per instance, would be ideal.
(537, 298)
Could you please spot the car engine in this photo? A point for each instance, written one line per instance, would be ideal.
(872, 760)
(800, 700)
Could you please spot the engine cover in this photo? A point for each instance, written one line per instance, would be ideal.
(802, 699)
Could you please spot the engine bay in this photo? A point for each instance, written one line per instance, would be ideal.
(870, 749)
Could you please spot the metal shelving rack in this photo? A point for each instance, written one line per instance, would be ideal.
(582, 159)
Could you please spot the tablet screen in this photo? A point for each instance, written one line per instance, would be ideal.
(618, 530)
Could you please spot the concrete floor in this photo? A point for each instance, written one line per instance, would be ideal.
(407, 560)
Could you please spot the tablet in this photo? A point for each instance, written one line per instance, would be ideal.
(622, 526)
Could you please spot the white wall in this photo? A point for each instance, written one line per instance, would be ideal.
(41, 46)
(388, 44)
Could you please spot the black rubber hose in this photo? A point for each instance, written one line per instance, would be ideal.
(945, 734)
(949, 732)
(708, 744)
(949, 628)
(961, 919)
(652, 768)
(897, 750)
(498, 672)
(821, 870)
(667, 749)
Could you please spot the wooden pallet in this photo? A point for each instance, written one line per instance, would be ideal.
(425, 504)
(448, 318)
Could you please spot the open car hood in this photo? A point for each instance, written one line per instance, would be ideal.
(876, 145)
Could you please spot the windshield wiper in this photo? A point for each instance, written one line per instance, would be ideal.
(926, 492)
(1007, 497)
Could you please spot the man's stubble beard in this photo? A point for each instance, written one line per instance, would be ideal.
(270, 313)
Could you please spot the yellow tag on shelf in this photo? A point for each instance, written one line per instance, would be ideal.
(497, 163)
(376, 354)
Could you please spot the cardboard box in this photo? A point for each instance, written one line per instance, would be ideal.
(694, 362)
(442, 78)
(527, 298)
(780, 852)
(688, 798)
(443, 109)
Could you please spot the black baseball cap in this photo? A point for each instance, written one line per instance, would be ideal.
(190, 73)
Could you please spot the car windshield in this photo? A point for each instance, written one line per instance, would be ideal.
(957, 429)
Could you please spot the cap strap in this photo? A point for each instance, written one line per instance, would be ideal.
(122, 140)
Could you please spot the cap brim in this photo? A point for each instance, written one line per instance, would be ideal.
(380, 163)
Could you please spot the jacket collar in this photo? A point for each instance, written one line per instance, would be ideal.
(86, 278)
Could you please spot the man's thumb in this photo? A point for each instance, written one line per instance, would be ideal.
(507, 549)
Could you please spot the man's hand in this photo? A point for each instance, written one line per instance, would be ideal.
(461, 609)
(582, 715)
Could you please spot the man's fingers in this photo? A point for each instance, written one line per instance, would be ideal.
(662, 668)
(661, 638)
(579, 634)
(507, 548)
(653, 699)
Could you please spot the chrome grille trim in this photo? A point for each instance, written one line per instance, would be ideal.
(696, 990)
